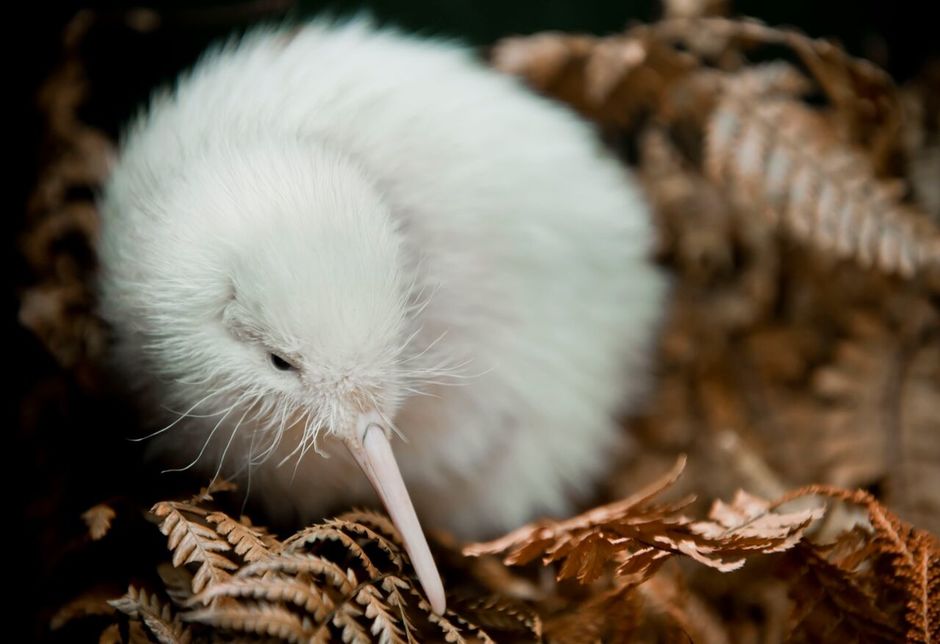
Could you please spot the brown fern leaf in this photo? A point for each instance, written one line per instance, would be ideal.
(156, 616)
(877, 421)
(273, 589)
(347, 620)
(98, 519)
(58, 235)
(896, 561)
(776, 78)
(694, 8)
(478, 634)
(111, 635)
(289, 563)
(254, 618)
(914, 489)
(541, 533)
(215, 486)
(248, 542)
(329, 532)
(374, 521)
(452, 632)
(866, 100)
(640, 536)
(501, 616)
(455, 628)
(748, 524)
(609, 616)
(269, 539)
(91, 602)
(668, 607)
(177, 583)
(193, 542)
(783, 157)
(384, 622)
(394, 586)
(391, 546)
(612, 80)
(829, 602)
(920, 133)
(856, 388)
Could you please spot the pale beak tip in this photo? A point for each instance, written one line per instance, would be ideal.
(437, 599)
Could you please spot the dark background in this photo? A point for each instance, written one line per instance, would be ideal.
(124, 65)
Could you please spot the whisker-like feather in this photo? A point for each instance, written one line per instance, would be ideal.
(204, 445)
(181, 416)
(218, 470)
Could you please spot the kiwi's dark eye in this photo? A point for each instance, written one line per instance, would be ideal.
(280, 363)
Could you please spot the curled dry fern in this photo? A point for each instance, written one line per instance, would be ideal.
(882, 566)
(816, 173)
(343, 580)
(156, 616)
(194, 542)
(779, 155)
(639, 536)
(346, 579)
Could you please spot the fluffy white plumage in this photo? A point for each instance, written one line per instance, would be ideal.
(414, 234)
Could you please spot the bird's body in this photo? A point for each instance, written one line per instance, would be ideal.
(328, 219)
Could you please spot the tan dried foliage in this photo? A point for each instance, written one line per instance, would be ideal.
(156, 616)
(58, 305)
(91, 602)
(191, 541)
(780, 156)
(637, 536)
(814, 172)
(98, 519)
(341, 579)
(867, 577)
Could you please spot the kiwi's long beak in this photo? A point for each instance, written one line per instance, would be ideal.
(371, 449)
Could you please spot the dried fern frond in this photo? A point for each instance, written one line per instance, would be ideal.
(502, 616)
(780, 156)
(208, 492)
(608, 616)
(255, 618)
(91, 602)
(58, 238)
(328, 532)
(346, 578)
(155, 615)
(871, 570)
(275, 589)
(98, 519)
(640, 536)
(292, 564)
(679, 613)
(249, 542)
(863, 93)
(612, 80)
(192, 542)
(913, 490)
(379, 524)
(111, 635)
(461, 632)
(177, 583)
(822, 183)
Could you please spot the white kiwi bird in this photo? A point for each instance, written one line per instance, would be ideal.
(328, 237)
